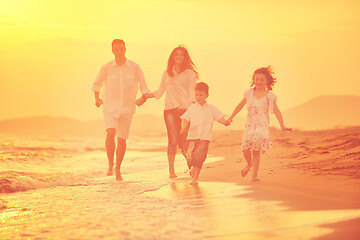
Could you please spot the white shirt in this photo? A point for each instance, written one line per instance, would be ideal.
(180, 89)
(201, 120)
(268, 105)
(120, 87)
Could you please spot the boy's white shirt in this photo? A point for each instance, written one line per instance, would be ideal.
(201, 120)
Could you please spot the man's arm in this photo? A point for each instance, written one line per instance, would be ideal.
(98, 83)
(143, 88)
(98, 100)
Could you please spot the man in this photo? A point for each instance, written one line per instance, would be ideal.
(120, 79)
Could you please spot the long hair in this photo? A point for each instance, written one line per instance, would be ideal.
(268, 72)
(187, 63)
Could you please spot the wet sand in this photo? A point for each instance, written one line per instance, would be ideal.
(309, 189)
(306, 171)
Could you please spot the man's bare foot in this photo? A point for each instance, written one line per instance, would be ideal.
(172, 175)
(255, 178)
(194, 182)
(191, 172)
(118, 176)
(110, 171)
(245, 171)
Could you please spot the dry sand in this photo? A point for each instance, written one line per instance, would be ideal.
(306, 171)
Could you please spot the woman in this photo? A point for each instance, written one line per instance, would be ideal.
(178, 81)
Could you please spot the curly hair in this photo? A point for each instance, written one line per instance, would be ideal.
(268, 72)
(187, 63)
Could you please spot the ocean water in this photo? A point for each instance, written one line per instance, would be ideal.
(56, 188)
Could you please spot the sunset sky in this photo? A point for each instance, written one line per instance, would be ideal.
(51, 51)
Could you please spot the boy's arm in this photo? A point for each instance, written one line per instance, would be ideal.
(220, 117)
(237, 110)
(184, 125)
(223, 121)
(280, 118)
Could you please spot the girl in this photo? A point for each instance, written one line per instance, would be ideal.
(178, 81)
(259, 102)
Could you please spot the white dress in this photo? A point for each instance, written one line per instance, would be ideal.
(256, 132)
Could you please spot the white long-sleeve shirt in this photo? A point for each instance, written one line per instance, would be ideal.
(180, 89)
(120, 86)
(201, 120)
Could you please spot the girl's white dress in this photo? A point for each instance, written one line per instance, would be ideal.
(256, 132)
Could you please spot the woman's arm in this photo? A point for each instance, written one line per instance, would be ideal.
(160, 91)
(184, 125)
(191, 87)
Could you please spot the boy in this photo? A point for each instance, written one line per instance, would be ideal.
(200, 116)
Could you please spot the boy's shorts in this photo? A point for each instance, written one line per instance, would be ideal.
(122, 125)
(196, 152)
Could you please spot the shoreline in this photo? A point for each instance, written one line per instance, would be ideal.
(305, 171)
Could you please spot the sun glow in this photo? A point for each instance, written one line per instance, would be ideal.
(49, 49)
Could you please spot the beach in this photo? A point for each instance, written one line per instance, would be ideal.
(304, 170)
(56, 188)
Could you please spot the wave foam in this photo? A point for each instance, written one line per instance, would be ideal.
(13, 181)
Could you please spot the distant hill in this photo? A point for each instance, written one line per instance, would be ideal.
(324, 112)
(64, 126)
(40, 125)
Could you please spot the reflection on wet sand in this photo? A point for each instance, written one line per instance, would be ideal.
(146, 205)
(224, 216)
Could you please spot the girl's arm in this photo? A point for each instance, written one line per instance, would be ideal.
(236, 110)
(280, 118)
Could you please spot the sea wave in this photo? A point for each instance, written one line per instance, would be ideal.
(15, 181)
(2, 204)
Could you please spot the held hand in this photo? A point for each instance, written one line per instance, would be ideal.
(98, 102)
(140, 101)
(227, 122)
